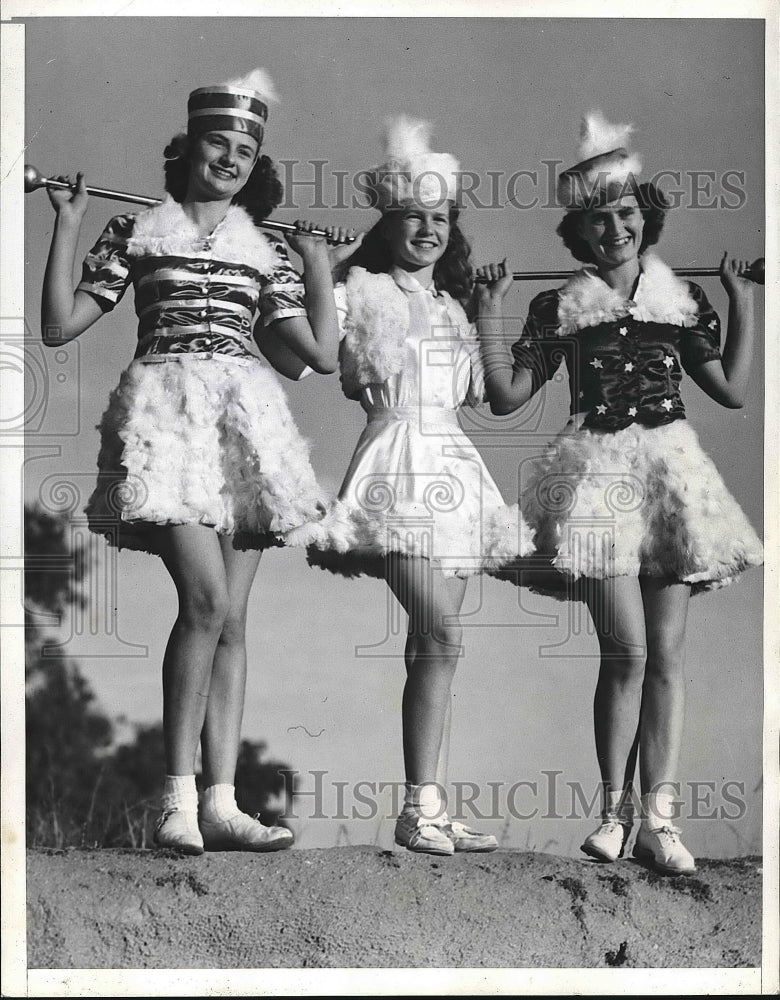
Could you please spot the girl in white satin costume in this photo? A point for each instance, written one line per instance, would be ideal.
(417, 506)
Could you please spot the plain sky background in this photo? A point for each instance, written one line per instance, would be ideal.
(105, 95)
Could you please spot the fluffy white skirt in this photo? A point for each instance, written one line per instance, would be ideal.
(641, 502)
(416, 485)
(201, 441)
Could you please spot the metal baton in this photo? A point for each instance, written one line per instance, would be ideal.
(34, 179)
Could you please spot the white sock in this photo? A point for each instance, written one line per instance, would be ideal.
(424, 799)
(180, 793)
(617, 803)
(219, 803)
(657, 809)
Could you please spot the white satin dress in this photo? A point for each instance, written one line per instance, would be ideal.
(416, 484)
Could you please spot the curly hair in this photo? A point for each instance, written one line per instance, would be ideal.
(452, 272)
(260, 195)
(653, 204)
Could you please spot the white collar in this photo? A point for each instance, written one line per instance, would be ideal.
(407, 281)
(661, 297)
(166, 229)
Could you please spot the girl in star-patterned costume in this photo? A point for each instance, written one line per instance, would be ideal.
(630, 511)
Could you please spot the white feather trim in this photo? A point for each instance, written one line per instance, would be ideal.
(412, 171)
(376, 326)
(405, 137)
(585, 300)
(167, 230)
(258, 80)
(598, 136)
(205, 442)
(639, 501)
(353, 542)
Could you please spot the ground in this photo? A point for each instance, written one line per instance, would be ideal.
(358, 907)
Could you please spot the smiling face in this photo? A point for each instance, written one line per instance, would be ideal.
(220, 164)
(417, 235)
(613, 231)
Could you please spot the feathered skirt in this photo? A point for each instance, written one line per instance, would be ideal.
(201, 441)
(643, 501)
(417, 486)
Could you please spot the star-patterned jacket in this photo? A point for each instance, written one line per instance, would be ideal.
(624, 357)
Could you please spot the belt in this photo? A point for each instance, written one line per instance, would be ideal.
(421, 415)
(158, 359)
(196, 330)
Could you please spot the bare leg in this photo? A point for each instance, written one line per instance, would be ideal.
(663, 692)
(225, 708)
(433, 647)
(193, 558)
(658, 841)
(410, 654)
(618, 614)
(444, 750)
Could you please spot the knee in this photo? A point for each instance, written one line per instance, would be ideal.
(447, 634)
(442, 647)
(665, 659)
(205, 610)
(453, 637)
(624, 665)
(233, 630)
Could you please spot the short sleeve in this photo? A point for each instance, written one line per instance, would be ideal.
(282, 293)
(105, 272)
(340, 295)
(538, 349)
(700, 343)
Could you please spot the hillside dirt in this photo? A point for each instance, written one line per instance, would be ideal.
(360, 907)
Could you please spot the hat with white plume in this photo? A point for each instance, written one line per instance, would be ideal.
(605, 169)
(412, 172)
(240, 105)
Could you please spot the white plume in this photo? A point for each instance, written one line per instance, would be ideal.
(406, 138)
(258, 80)
(597, 136)
(411, 170)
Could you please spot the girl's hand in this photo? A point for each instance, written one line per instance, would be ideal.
(305, 243)
(732, 271)
(70, 205)
(496, 282)
(340, 252)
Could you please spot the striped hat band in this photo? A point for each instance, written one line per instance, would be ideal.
(226, 109)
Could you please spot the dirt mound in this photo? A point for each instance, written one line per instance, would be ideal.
(362, 907)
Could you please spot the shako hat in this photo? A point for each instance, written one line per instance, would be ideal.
(240, 105)
(411, 171)
(605, 168)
